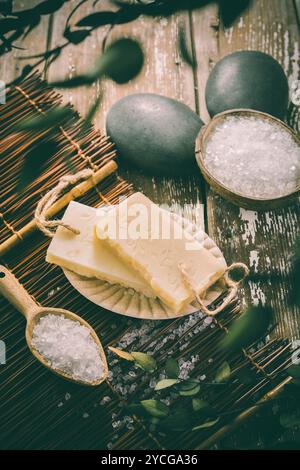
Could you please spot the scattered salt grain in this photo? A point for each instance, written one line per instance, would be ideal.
(53, 291)
(253, 157)
(132, 374)
(116, 424)
(105, 400)
(68, 346)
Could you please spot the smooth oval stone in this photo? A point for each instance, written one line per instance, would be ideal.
(154, 133)
(248, 79)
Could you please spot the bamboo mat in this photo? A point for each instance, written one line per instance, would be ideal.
(41, 411)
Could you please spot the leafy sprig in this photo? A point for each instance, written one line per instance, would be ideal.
(191, 410)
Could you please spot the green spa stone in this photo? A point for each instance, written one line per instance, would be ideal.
(248, 79)
(154, 133)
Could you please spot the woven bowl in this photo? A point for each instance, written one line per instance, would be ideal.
(253, 203)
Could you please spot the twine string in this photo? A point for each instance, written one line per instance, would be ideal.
(48, 226)
(231, 284)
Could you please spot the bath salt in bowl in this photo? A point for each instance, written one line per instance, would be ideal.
(250, 158)
(68, 346)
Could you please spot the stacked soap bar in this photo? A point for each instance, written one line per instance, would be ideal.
(157, 247)
(137, 245)
(88, 256)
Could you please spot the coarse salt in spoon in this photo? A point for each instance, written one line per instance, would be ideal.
(42, 321)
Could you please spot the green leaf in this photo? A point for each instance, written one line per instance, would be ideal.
(172, 368)
(154, 421)
(48, 7)
(155, 408)
(223, 373)
(185, 53)
(206, 425)
(79, 80)
(100, 18)
(6, 7)
(123, 354)
(137, 409)
(121, 61)
(251, 326)
(294, 371)
(166, 383)
(178, 421)
(290, 420)
(34, 162)
(9, 24)
(77, 36)
(92, 111)
(230, 10)
(199, 404)
(191, 392)
(53, 117)
(188, 384)
(146, 362)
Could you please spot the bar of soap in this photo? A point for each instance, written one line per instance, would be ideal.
(151, 242)
(84, 254)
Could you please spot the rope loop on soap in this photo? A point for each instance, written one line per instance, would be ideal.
(48, 226)
(231, 284)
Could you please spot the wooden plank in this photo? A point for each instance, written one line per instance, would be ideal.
(263, 240)
(11, 64)
(164, 72)
(204, 25)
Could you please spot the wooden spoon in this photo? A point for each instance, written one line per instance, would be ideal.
(24, 303)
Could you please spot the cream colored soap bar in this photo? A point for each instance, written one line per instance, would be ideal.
(150, 241)
(86, 255)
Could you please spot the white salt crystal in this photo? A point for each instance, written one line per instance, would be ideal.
(253, 157)
(68, 346)
(105, 400)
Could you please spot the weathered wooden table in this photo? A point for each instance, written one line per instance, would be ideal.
(262, 240)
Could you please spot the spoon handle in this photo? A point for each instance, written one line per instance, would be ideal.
(15, 293)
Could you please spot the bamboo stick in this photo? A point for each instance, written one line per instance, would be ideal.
(233, 425)
(74, 193)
